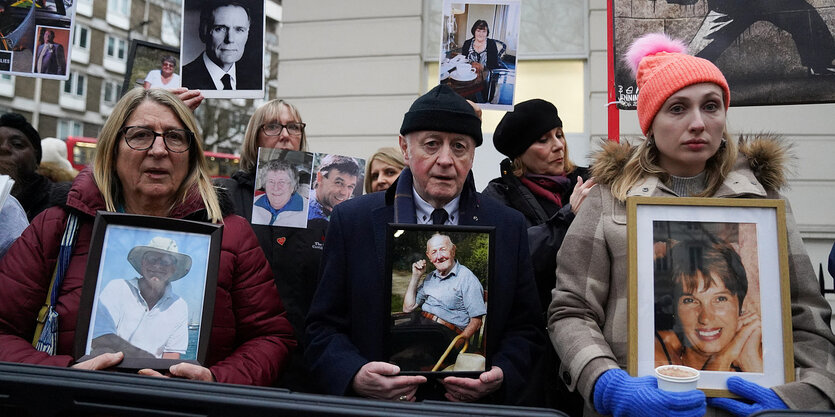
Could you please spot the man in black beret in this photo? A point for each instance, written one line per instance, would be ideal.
(20, 147)
(349, 315)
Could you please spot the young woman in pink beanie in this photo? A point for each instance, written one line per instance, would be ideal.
(682, 106)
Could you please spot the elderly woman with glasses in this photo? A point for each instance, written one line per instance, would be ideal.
(294, 253)
(149, 162)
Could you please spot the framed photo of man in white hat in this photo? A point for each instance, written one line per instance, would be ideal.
(149, 290)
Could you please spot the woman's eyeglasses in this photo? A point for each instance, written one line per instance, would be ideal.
(142, 138)
(274, 129)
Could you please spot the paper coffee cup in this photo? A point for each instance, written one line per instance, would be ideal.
(676, 378)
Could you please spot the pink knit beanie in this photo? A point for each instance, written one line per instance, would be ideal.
(661, 67)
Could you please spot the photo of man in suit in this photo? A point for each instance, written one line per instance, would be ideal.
(50, 57)
(224, 28)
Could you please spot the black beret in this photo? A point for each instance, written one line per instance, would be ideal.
(442, 110)
(519, 129)
(17, 121)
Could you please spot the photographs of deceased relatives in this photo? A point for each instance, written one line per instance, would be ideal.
(149, 290)
(479, 44)
(282, 187)
(223, 48)
(708, 268)
(152, 65)
(440, 278)
(35, 38)
(300, 189)
(771, 52)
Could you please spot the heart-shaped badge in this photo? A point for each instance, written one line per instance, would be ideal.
(281, 240)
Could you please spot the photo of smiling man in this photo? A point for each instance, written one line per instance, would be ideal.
(225, 58)
(338, 178)
(142, 316)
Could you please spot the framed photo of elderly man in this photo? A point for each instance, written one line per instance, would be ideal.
(149, 290)
(440, 276)
(709, 289)
(282, 187)
(223, 48)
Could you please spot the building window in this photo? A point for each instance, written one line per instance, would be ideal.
(118, 13)
(6, 85)
(74, 94)
(69, 127)
(115, 54)
(110, 93)
(116, 48)
(171, 23)
(76, 85)
(81, 44)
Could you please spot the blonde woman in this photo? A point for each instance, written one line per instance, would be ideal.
(382, 169)
(293, 252)
(682, 108)
(149, 162)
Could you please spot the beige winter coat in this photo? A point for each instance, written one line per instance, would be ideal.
(587, 319)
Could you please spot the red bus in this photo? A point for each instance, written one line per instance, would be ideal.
(81, 150)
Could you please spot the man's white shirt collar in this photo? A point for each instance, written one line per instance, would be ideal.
(217, 73)
(423, 210)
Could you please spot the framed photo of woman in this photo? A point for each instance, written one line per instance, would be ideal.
(149, 290)
(440, 277)
(709, 289)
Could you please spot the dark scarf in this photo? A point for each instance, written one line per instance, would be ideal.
(548, 187)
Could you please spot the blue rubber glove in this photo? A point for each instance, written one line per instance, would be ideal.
(619, 394)
(763, 398)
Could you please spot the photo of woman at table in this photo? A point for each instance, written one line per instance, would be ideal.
(482, 52)
(711, 328)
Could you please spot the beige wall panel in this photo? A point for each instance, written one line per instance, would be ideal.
(814, 160)
(356, 146)
(304, 10)
(598, 118)
(355, 76)
(597, 30)
(812, 204)
(788, 120)
(354, 116)
(351, 38)
(597, 71)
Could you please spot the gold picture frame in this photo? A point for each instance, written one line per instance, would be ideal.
(718, 325)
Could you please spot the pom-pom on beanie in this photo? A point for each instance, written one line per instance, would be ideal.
(661, 67)
(519, 129)
(442, 110)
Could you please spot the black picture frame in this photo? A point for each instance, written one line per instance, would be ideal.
(143, 57)
(118, 242)
(423, 344)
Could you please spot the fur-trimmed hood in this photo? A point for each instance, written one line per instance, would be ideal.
(769, 157)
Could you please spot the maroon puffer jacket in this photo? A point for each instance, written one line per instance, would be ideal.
(250, 339)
